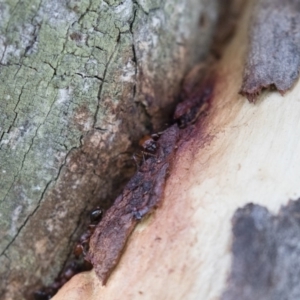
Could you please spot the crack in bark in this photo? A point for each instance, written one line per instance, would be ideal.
(5, 31)
(6, 275)
(22, 165)
(46, 186)
(39, 202)
(135, 60)
(83, 14)
(134, 53)
(30, 42)
(91, 77)
(70, 240)
(14, 110)
(101, 85)
(30, 146)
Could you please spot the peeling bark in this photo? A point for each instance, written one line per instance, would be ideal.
(82, 81)
(273, 59)
(266, 251)
(141, 195)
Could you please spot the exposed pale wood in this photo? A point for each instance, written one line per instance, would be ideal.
(242, 153)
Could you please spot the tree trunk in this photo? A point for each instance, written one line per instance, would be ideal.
(206, 240)
(82, 81)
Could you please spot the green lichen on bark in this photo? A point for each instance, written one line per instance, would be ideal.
(81, 81)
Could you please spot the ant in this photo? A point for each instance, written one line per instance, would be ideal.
(72, 269)
(96, 215)
(148, 146)
(82, 246)
(80, 249)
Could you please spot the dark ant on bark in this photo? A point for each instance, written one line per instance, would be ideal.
(72, 269)
(41, 295)
(148, 146)
(48, 292)
(80, 249)
(96, 215)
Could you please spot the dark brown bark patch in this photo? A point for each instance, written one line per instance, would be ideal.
(141, 195)
(273, 59)
(144, 191)
(266, 254)
(197, 92)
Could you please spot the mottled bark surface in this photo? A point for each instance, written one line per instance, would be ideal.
(80, 82)
(273, 58)
(235, 154)
(140, 197)
(266, 254)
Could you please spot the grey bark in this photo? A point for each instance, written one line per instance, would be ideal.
(266, 252)
(273, 57)
(81, 82)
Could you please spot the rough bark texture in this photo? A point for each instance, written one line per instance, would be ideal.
(274, 38)
(140, 197)
(235, 154)
(80, 82)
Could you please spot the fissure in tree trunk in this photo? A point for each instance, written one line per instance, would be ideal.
(81, 82)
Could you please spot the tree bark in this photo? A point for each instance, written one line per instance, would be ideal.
(207, 241)
(82, 81)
